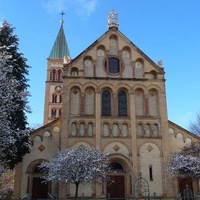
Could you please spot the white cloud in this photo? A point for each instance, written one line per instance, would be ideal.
(81, 7)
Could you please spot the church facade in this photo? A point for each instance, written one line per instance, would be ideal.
(111, 96)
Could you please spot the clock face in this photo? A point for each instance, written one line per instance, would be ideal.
(58, 88)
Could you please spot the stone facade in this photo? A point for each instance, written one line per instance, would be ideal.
(112, 97)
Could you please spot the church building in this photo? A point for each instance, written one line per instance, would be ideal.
(111, 96)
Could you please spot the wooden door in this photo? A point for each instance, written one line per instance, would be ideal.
(39, 190)
(182, 184)
(116, 188)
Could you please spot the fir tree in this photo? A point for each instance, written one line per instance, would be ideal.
(14, 134)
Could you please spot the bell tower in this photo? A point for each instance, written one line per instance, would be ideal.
(54, 82)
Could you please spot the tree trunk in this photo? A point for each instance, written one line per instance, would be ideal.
(76, 193)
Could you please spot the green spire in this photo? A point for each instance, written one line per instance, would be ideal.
(60, 47)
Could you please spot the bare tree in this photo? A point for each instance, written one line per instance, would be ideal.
(194, 127)
(77, 165)
(186, 163)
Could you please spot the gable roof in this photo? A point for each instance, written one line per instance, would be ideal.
(125, 38)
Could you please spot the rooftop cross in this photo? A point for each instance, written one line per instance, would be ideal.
(62, 14)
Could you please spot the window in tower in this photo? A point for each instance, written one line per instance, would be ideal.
(122, 103)
(54, 98)
(106, 103)
(60, 112)
(59, 75)
(53, 113)
(53, 75)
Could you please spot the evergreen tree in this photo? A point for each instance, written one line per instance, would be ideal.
(14, 134)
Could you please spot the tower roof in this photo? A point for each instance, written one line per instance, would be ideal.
(60, 47)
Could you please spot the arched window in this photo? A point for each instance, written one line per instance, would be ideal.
(74, 72)
(73, 128)
(53, 75)
(155, 130)
(59, 75)
(106, 130)
(122, 103)
(139, 69)
(112, 65)
(140, 130)
(82, 129)
(60, 98)
(75, 101)
(147, 130)
(124, 131)
(115, 130)
(90, 130)
(89, 101)
(60, 112)
(53, 113)
(153, 102)
(106, 103)
(139, 102)
(54, 98)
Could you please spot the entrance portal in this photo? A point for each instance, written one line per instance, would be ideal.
(116, 186)
(39, 190)
(115, 189)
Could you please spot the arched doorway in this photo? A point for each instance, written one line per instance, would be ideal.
(116, 184)
(37, 188)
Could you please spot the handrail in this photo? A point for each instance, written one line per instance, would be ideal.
(26, 195)
(50, 196)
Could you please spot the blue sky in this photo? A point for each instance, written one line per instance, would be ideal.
(166, 30)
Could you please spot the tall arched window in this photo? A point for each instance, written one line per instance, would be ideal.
(153, 102)
(53, 75)
(139, 102)
(59, 75)
(75, 97)
(106, 103)
(139, 69)
(54, 98)
(89, 101)
(122, 103)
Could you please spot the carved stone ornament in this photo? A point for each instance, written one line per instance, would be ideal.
(149, 148)
(116, 148)
(112, 19)
(41, 148)
(66, 60)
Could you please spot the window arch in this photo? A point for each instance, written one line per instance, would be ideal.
(74, 129)
(74, 72)
(140, 130)
(90, 130)
(82, 129)
(153, 102)
(101, 50)
(147, 130)
(115, 130)
(54, 98)
(75, 101)
(124, 131)
(126, 52)
(53, 75)
(139, 68)
(122, 103)
(89, 101)
(106, 130)
(139, 102)
(106, 103)
(59, 75)
(53, 113)
(112, 65)
(155, 130)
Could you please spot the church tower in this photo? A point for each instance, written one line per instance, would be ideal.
(54, 82)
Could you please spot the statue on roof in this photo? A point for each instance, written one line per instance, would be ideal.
(112, 19)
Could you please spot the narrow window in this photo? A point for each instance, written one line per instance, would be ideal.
(122, 103)
(106, 103)
(59, 75)
(150, 173)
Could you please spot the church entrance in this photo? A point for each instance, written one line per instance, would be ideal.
(39, 190)
(116, 184)
(116, 188)
(182, 184)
